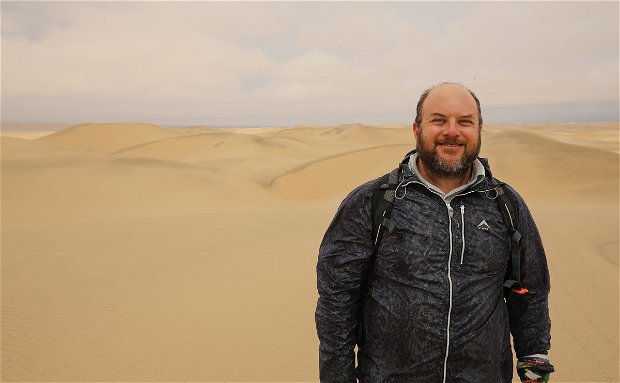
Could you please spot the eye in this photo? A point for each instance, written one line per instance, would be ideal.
(466, 122)
(437, 121)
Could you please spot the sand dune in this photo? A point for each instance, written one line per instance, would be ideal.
(319, 179)
(108, 138)
(551, 170)
(205, 146)
(134, 252)
(27, 149)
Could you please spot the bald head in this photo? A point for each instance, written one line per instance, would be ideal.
(444, 93)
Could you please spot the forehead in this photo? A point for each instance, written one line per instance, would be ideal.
(450, 100)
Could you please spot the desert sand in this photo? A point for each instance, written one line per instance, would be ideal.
(135, 252)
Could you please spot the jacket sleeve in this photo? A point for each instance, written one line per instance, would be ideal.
(343, 262)
(530, 324)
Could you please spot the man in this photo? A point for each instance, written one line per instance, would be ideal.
(430, 301)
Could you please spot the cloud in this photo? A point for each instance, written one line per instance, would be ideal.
(294, 62)
(32, 21)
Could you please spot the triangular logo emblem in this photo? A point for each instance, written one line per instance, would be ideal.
(483, 226)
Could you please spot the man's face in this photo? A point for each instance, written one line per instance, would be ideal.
(448, 140)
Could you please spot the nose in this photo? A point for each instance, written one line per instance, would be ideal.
(451, 128)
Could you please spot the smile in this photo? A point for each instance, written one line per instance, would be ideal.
(451, 145)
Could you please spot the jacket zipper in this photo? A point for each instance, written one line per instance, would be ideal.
(450, 215)
(462, 232)
(445, 362)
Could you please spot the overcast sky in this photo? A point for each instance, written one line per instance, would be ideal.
(286, 63)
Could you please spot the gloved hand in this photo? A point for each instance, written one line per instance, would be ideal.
(534, 368)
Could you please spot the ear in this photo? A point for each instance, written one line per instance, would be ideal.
(416, 129)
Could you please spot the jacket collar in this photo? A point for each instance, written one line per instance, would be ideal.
(407, 175)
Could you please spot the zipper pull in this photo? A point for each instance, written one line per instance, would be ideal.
(450, 210)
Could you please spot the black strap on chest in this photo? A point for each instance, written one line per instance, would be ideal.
(382, 201)
(384, 192)
(509, 208)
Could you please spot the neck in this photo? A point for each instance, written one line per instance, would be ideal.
(445, 183)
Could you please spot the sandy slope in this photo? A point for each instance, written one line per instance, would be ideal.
(133, 252)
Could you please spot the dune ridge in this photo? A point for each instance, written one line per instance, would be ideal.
(316, 179)
(137, 252)
(584, 169)
(106, 138)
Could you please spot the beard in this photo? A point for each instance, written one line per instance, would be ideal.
(444, 167)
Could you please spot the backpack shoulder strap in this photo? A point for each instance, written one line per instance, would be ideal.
(510, 212)
(382, 201)
(383, 194)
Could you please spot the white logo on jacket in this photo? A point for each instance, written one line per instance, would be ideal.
(483, 225)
